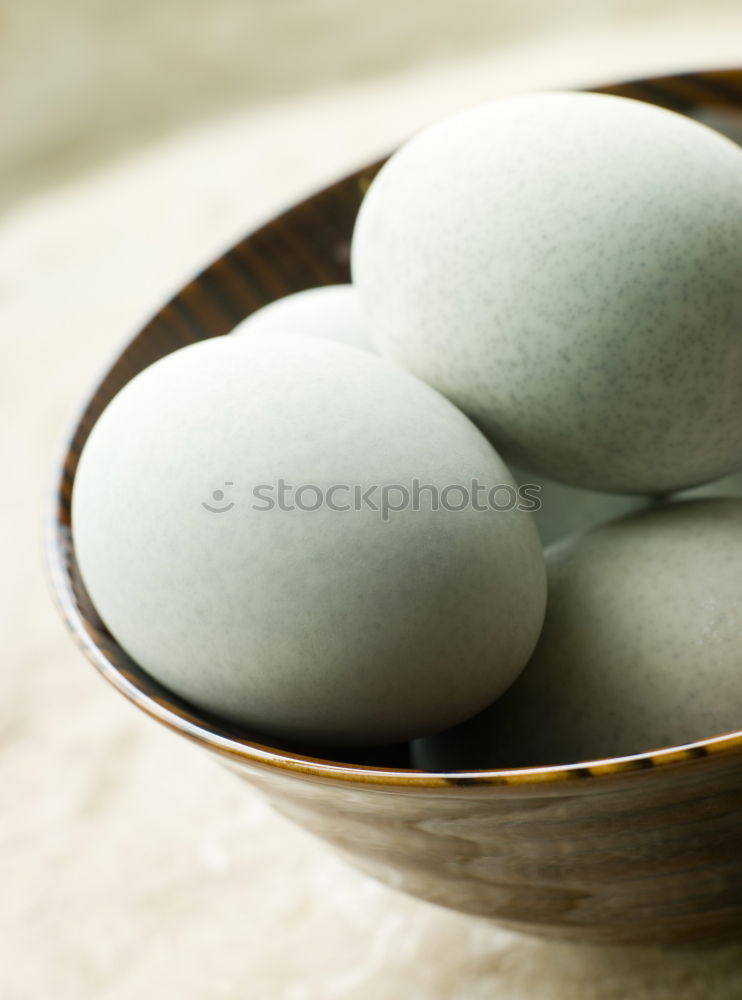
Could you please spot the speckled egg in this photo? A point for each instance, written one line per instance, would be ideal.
(245, 520)
(565, 268)
(640, 647)
(332, 311)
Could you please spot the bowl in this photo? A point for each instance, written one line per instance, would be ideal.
(643, 848)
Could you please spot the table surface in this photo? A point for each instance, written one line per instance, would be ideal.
(132, 865)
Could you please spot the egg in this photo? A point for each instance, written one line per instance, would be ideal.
(730, 486)
(565, 268)
(560, 511)
(245, 521)
(640, 647)
(332, 311)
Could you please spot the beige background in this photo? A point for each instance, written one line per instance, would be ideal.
(136, 141)
(87, 79)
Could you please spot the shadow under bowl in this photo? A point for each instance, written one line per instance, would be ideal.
(644, 849)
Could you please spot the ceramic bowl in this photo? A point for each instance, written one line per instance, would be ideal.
(636, 849)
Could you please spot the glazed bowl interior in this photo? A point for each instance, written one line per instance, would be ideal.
(305, 247)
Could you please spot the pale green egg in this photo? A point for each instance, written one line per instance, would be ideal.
(640, 648)
(331, 311)
(240, 522)
(565, 268)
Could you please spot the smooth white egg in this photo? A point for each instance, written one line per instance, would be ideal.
(332, 311)
(640, 648)
(222, 529)
(565, 268)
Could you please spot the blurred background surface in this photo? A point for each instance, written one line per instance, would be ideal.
(87, 79)
(137, 140)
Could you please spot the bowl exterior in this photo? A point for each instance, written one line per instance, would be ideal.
(651, 857)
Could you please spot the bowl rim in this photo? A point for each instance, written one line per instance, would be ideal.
(262, 756)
